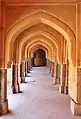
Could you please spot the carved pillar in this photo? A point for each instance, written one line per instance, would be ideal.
(76, 103)
(28, 69)
(22, 71)
(50, 66)
(3, 71)
(25, 68)
(55, 75)
(9, 80)
(30, 66)
(48, 63)
(31, 62)
(63, 87)
(52, 69)
(59, 72)
(3, 91)
(15, 83)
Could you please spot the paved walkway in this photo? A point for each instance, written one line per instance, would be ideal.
(39, 99)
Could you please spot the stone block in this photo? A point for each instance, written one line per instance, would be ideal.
(4, 107)
(75, 108)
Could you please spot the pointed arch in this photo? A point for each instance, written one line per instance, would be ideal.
(28, 47)
(34, 48)
(41, 16)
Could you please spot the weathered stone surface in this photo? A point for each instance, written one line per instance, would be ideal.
(15, 83)
(78, 98)
(3, 91)
(63, 87)
(55, 73)
(75, 108)
(4, 107)
(25, 68)
(9, 80)
(28, 69)
(23, 71)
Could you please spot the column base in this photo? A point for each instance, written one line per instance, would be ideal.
(16, 89)
(52, 74)
(26, 74)
(75, 108)
(58, 80)
(22, 79)
(4, 107)
(54, 81)
(28, 71)
(63, 89)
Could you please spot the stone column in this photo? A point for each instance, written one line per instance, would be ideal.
(32, 61)
(52, 69)
(30, 64)
(9, 80)
(59, 72)
(28, 69)
(48, 63)
(50, 66)
(15, 83)
(76, 102)
(55, 75)
(22, 71)
(3, 91)
(63, 87)
(3, 71)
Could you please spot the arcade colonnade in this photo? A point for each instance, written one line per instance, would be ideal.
(27, 28)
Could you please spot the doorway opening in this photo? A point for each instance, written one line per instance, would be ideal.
(39, 58)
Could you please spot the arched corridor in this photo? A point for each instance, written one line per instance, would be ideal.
(39, 99)
(42, 33)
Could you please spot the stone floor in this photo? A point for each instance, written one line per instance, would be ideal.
(39, 99)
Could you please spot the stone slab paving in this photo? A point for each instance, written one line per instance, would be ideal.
(39, 99)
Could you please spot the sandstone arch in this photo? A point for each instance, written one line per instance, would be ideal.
(46, 18)
(33, 49)
(53, 49)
